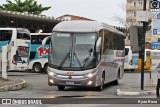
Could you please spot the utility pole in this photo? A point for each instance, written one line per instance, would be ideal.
(143, 47)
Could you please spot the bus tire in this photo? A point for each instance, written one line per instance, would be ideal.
(37, 67)
(45, 68)
(115, 82)
(61, 88)
(100, 88)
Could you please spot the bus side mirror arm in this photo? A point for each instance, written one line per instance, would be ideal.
(98, 44)
(44, 42)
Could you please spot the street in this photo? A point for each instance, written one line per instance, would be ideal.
(37, 87)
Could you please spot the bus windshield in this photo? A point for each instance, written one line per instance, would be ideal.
(23, 34)
(73, 51)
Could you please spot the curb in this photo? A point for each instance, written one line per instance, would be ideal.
(13, 87)
(135, 93)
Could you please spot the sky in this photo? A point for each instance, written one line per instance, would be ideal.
(100, 10)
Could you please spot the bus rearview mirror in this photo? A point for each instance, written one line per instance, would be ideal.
(44, 42)
(98, 44)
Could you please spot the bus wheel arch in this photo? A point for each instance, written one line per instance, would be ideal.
(104, 75)
(37, 67)
(45, 67)
(119, 74)
(115, 82)
(100, 87)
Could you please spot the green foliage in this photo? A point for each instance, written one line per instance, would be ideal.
(29, 6)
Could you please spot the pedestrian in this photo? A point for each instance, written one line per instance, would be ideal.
(158, 80)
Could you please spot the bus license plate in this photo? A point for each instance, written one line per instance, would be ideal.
(70, 83)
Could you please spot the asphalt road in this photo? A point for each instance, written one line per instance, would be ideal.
(37, 87)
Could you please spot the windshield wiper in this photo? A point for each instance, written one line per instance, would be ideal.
(87, 59)
(78, 60)
(64, 59)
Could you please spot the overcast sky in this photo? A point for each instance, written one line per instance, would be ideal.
(101, 10)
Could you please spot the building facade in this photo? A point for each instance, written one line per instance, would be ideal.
(132, 7)
(68, 17)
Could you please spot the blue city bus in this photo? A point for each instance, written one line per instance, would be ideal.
(38, 58)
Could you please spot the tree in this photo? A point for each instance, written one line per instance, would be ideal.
(29, 6)
(122, 20)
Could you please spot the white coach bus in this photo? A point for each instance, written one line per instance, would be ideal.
(38, 58)
(18, 41)
(86, 54)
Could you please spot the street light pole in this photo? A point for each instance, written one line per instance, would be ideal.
(143, 48)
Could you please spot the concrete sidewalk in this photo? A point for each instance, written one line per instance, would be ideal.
(133, 88)
(11, 84)
(136, 91)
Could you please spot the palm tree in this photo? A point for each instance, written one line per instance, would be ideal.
(29, 6)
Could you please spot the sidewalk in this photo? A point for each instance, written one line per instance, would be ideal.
(11, 84)
(136, 91)
(133, 87)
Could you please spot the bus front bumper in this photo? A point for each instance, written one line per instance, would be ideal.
(85, 82)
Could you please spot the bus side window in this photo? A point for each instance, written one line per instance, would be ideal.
(23, 36)
(26, 36)
(19, 36)
(108, 41)
(126, 51)
(34, 39)
(5, 35)
(9, 37)
(118, 42)
(32, 55)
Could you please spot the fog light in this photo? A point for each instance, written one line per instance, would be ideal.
(89, 82)
(51, 81)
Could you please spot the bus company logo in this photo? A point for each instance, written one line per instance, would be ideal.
(154, 6)
(41, 52)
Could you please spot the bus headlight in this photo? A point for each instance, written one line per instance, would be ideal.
(90, 75)
(51, 74)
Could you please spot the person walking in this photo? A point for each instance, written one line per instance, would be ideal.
(158, 80)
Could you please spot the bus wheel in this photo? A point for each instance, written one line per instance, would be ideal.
(61, 88)
(37, 67)
(45, 68)
(115, 82)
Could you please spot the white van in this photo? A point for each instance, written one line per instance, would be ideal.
(131, 59)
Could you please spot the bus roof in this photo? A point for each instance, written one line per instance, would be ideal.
(8, 28)
(84, 26)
